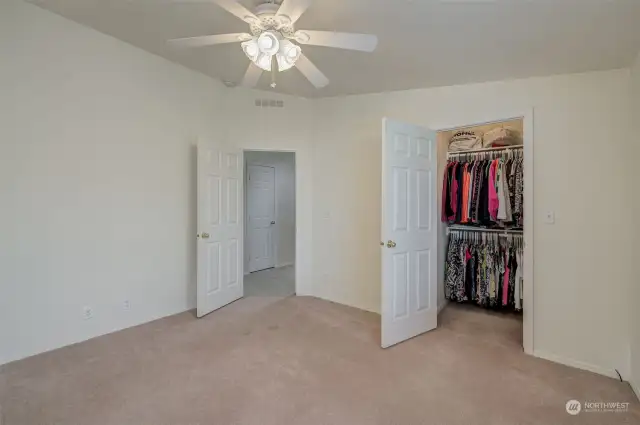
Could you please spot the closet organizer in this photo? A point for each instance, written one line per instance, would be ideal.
(482, 201)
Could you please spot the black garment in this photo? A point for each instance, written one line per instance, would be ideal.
(448, 211)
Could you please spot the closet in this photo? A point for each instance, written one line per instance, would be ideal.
(481, 201)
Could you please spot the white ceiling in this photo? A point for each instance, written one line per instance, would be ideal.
(423, 43)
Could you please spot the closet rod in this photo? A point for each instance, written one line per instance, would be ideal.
(479, 229)
(501, 148)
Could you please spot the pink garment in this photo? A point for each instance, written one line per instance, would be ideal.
(505, 284)
(493, 193)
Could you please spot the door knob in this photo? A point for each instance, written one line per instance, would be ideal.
(273, 222)
(391, 244)
(205, 235)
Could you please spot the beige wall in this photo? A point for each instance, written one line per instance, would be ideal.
(96, 134)
(634, 144)
(581, 271)
(97, 178)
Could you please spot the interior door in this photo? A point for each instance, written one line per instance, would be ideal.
(409, 231)
(261, 211)
(219, 264)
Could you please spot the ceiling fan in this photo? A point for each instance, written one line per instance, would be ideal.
(271, 41)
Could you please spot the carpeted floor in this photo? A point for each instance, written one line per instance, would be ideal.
(276, 282)
(297, 360)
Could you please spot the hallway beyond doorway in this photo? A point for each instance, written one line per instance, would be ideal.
(276, 282)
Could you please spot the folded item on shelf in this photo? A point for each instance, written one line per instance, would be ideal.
(501, 136)
(465, 140)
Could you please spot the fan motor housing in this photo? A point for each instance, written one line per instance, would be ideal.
(266, 12)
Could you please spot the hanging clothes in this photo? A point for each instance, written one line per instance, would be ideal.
(484, 192)
(484, 270)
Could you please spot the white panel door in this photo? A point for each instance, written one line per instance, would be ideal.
(220, 227)
(261, 211)
(409, 231)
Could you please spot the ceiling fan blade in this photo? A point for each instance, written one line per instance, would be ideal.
(252, 75)
(340, 40)
(231, 6)
(293, 9)
(209, 40)
(313, 74)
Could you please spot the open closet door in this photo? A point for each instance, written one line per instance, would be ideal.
(219, 273)
(409, 231)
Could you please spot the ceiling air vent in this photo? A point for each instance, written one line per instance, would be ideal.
(269, 103)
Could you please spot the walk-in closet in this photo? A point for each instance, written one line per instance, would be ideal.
(482, 216)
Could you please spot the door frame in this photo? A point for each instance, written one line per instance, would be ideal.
(298, 207)
(528, 234)
(274, 237)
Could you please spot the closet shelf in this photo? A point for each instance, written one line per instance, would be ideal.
(481, 229)
(501, 148)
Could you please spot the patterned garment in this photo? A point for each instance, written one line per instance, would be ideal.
(454, 269)
(511, 172)
(512, 278)
(485, 273)
(461, 289)
(483, 285)
(491, 276)
(477, 173)
(519, 201)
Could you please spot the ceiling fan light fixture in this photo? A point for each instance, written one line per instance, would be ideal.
(283, 63)
(268, 43)
(289, 50)
(264, 61)
(251, 49)
(287, 55)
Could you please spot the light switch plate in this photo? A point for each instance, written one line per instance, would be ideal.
(550, 217)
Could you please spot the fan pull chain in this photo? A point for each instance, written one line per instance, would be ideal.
(273, 72)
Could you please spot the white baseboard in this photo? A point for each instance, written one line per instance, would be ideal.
(576, 363)
(443, 305)
(284, 265)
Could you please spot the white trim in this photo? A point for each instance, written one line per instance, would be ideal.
(527, 138)
(443, 305)
(528, 286)
(635, 388)
(576, 363)
(291, 263)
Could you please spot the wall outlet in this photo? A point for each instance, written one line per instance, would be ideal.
(87, 313)
(126, 305)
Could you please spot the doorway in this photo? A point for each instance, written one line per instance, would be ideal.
(414, 159)
(269, 223)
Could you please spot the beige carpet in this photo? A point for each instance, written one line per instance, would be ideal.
(276, 282)
(302, 361)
